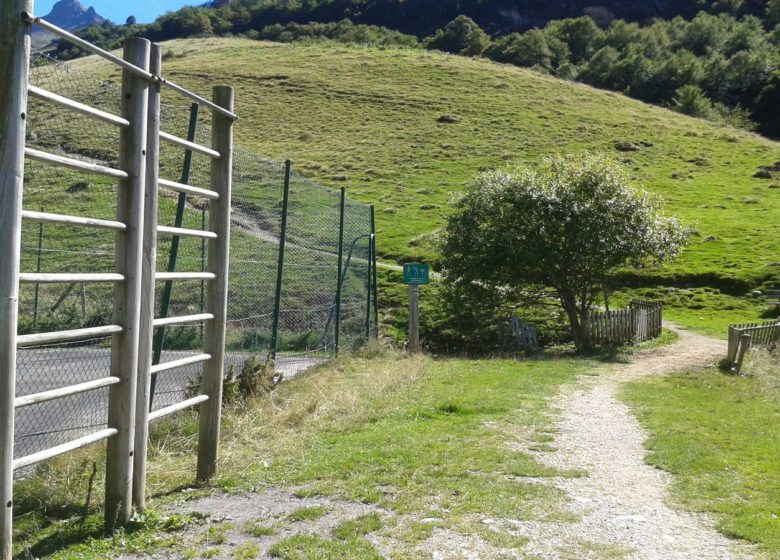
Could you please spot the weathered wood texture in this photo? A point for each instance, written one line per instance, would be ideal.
(15, 63)
(127, 295)
(763, 335)
(414, 318)
(148, 271)
(217, 290)
(640, 322)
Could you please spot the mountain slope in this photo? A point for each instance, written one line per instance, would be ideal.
(404, 129)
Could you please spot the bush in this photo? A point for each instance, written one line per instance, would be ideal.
(566, 226)
(461, 36)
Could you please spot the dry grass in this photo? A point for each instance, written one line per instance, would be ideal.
(338, 395)
(764, 366)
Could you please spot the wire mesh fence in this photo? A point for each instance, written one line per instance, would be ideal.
(308, 309)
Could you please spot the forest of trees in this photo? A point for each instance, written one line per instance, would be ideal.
(715, 59)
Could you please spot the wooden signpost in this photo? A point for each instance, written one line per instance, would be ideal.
(415, 275)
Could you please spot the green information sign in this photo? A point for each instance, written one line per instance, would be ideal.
(416, 274)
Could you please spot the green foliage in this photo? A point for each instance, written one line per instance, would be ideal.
(690, 100)
(529, 49)
(461, 36)
(343, 32)
(568, 225)
(255, 379)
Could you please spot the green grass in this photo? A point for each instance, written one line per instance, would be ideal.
(308, 513)
(358, 527)
(257, 529)
(305, 547)
(719, 436)
(246, 551)
(411, 447)
(448, 440)
(367, 118)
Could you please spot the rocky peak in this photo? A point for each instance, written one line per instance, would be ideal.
(71, 14)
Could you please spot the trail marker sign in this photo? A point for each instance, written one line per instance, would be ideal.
(416, 274)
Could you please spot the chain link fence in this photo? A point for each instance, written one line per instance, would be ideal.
(305, 310)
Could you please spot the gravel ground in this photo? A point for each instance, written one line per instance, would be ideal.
(622, 502)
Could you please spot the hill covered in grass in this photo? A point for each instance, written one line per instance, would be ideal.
(406, 129)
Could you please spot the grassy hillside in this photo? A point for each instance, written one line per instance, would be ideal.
(405, 129)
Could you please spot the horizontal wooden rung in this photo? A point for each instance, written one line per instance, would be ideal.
(110, 118)
(182, 232)
(192, 146)
(47, 278)
(187, 189)
(66, 336)
(45, 396)
(72, 220)
(173, 364)
(168, 410)
(55, 159)
(64, 448)
(165, 321)
(165, 276)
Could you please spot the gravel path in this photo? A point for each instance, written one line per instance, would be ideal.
(621, 503)
(618, 507)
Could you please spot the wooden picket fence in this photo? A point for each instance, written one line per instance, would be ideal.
(641, 321)
(745, 335)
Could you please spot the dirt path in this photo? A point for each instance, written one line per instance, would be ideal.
(621, 503)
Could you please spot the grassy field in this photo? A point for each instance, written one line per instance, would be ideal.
(370, 119)
(436, 444)
(719, 435)
(405, 129)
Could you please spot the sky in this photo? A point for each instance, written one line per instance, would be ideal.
(117, 11)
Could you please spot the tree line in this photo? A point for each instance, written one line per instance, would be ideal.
(721, 64)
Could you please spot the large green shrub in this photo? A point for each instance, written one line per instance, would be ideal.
(567, 225)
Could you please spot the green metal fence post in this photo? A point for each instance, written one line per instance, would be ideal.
(368, 286)
(341, 257)
(376, 290)
(38, 270)
(280, 265)
(165, 298)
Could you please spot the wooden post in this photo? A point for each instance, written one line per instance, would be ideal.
(217, 290)
(731, 356)
(414, 318)
(149, 267)
(744, 345)
(15, 62)
(127, 294)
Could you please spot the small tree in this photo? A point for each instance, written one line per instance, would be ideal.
(690, 100)
(461, 36)
(568, 225)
